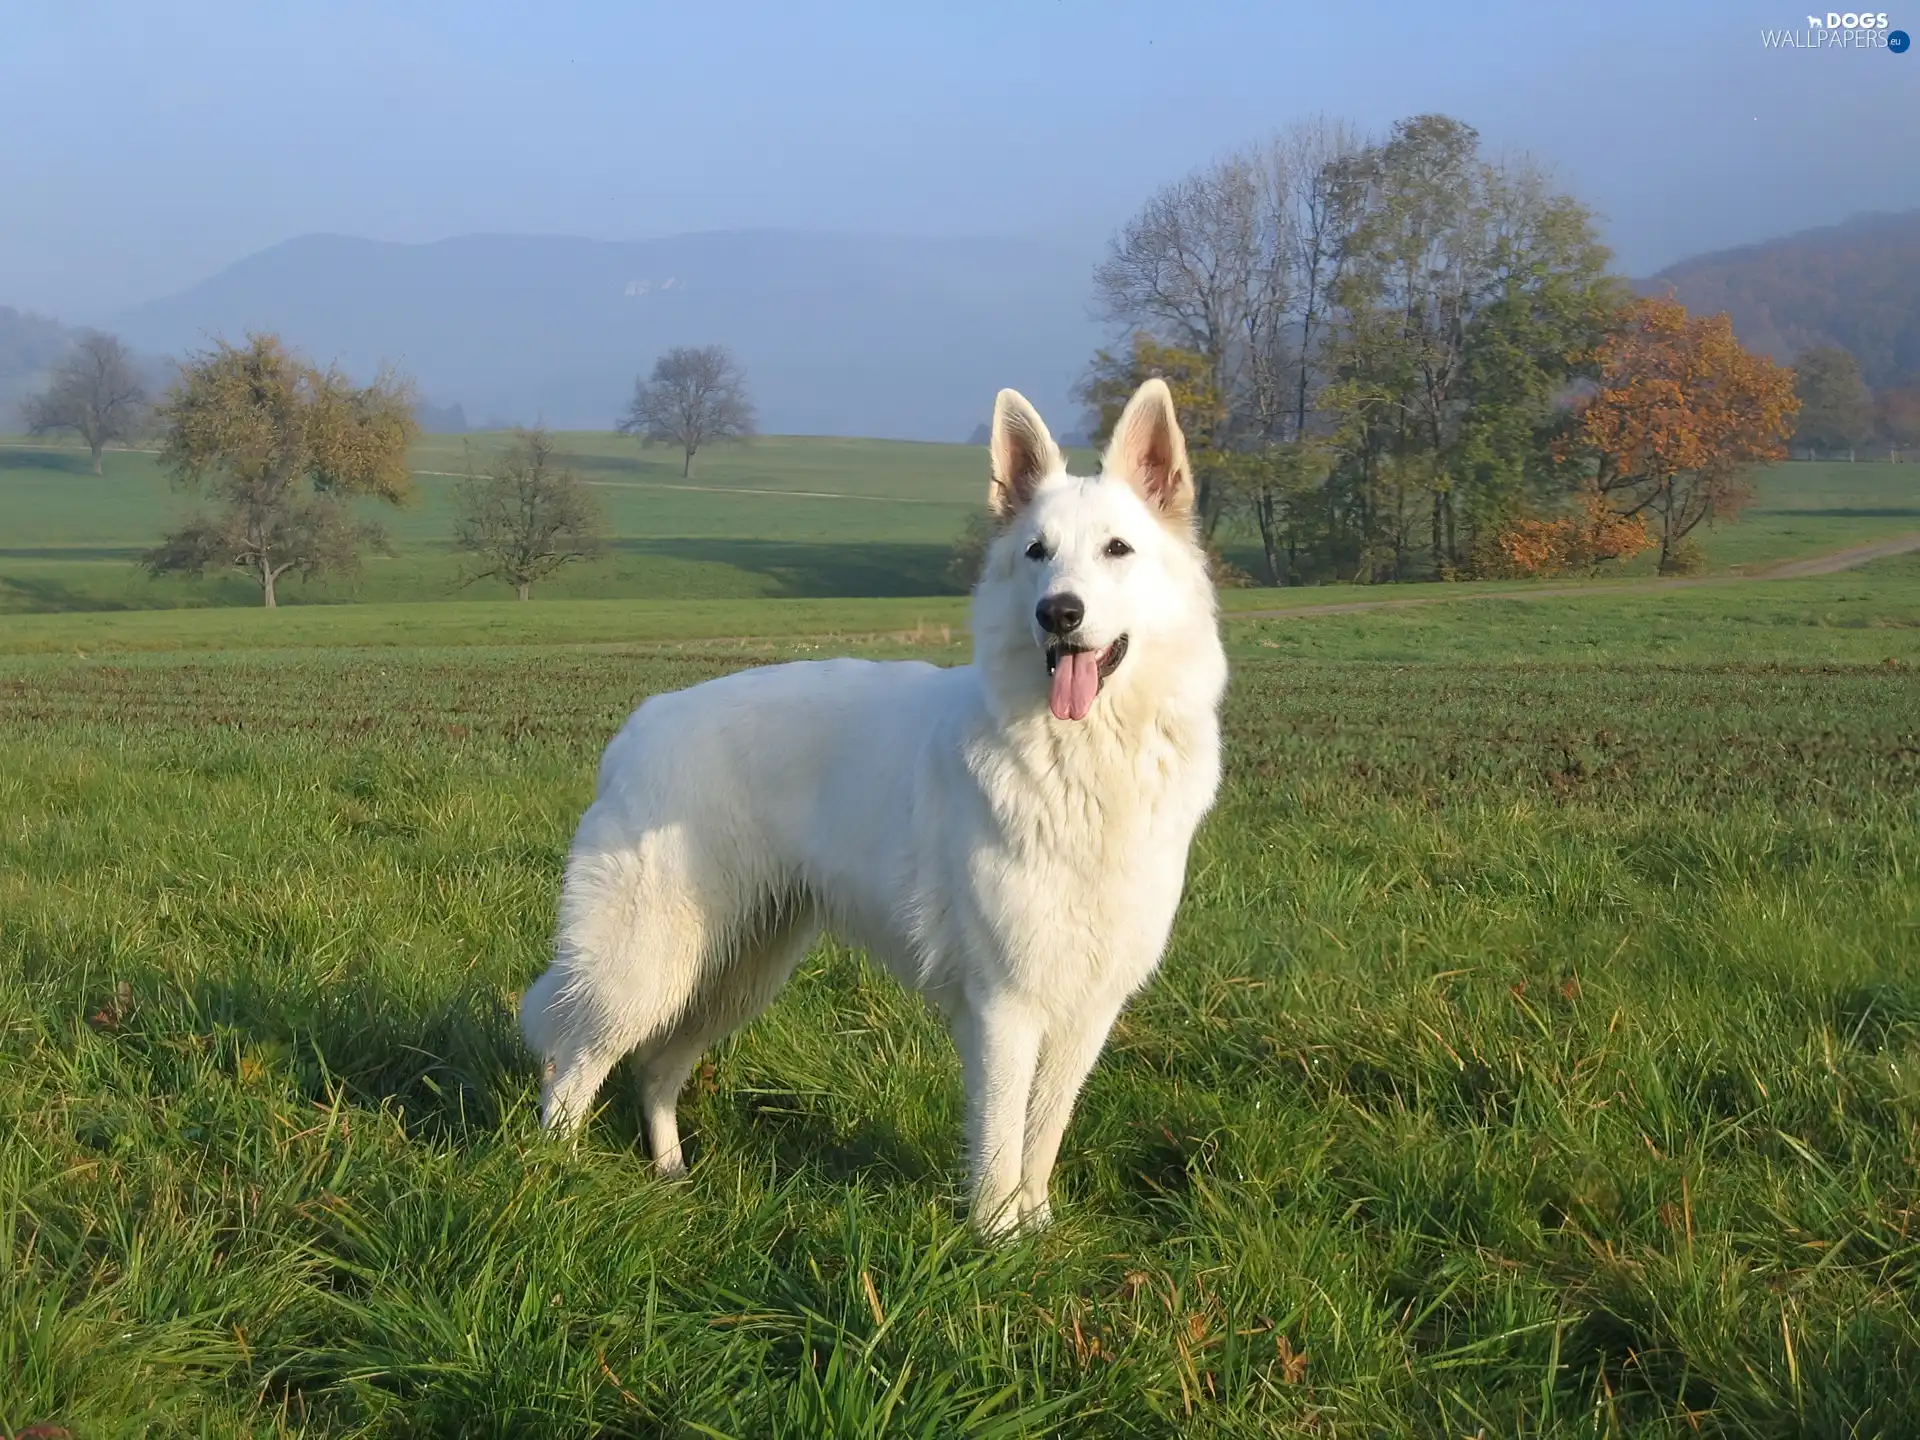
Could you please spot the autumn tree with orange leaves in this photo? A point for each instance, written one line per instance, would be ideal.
(1681, 413)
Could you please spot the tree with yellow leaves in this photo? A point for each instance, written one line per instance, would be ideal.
(284, 448)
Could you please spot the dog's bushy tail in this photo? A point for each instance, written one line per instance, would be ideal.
(536, 1013)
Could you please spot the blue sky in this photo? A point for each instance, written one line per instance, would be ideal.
(143, 146)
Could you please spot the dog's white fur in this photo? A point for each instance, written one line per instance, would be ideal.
(1021, 871)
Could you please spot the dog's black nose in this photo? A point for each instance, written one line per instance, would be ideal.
(1060, 614)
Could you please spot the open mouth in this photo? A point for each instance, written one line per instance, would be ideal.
(1076, 673)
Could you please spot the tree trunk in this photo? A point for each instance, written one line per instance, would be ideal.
(97, 448)
(525, 587)
(1666, 527)
(686, 468)
(1269, 541)
(266, 586)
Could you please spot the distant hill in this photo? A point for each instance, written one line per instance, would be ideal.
(1856, 285)
(839, 334)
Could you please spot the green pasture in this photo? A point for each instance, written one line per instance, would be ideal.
(784, 517)
(1538, 1052)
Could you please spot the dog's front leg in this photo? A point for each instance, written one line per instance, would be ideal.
(999, 1044)
(1067, 1055)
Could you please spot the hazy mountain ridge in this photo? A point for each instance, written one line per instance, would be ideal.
(1856, 284)
(840, 334)
(848, 335)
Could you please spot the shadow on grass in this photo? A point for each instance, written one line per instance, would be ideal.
(799, 1135)
(22, 595)
(70, 462)
(812, 570)
(784, 570)
(450, 1067)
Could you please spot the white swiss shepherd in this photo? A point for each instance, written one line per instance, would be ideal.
(1009, 837)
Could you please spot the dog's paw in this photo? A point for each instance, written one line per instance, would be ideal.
(998, 1225)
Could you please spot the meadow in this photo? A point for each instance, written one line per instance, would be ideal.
(1538, 1051)
(784, 518)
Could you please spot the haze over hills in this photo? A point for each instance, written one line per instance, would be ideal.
(31, 345)
(839, 334)
(1856, 284)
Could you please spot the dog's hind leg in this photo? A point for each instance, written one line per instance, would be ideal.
(733, 994)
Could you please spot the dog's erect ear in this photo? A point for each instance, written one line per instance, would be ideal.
(1023, 454)
(1149, 452)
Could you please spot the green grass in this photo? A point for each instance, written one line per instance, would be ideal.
(785, 517)
(1538, 1051)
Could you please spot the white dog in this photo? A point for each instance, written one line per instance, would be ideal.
(1010, 837)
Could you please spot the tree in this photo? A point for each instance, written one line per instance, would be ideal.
(95, 393)
(1680, 411)
(1896, 418)
(695, 394)
(284, 448)
(526, 516)
(1394, 324)
(1277, 486)
(1200, 267)
(1467, 288)
(1836, 412)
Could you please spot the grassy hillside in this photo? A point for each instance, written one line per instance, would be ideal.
(1536, 1052)
(785, 517)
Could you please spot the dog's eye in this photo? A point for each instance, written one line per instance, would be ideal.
(1037, 550)
(1117, 547)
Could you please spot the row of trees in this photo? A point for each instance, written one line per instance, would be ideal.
(1839, 415)
(1397, 358)
(286, 454)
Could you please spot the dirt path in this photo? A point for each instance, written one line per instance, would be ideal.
(1829, 564)
(1840, 560)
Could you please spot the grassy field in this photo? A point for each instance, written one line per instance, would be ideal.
(786, 517)
(783, 517)
(1538, 1051)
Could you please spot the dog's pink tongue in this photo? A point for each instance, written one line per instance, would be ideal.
(1076, 680)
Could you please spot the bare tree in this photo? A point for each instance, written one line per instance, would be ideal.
(1321, 198)
(1195, 267)
(526, 516)
(95, 393)
(695, 394)
(1237, 262)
